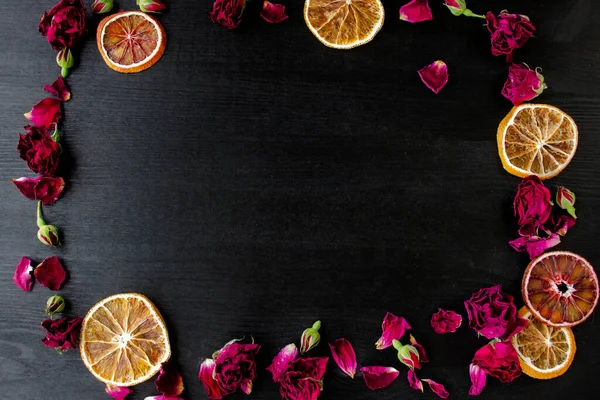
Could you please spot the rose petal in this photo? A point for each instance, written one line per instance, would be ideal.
(282, 360)
(422, 354)
(435, 75)
(560, 224)
(206, 375)
(169, 381)
(59, 88)
(413, 381)
(379, 377)
(162, 397)
(478, 378)
(273, 13)
(344, 356)
(45, 113)
(50, 273)
(44, 188)
(437, 388)
(535, 245)
(23, 277)
(118, 392)
(499, 360)
(445, 321)
(416, 11)
(393, 328)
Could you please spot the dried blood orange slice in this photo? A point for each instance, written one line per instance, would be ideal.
(560, 288)
(131, 41)
(124, 340)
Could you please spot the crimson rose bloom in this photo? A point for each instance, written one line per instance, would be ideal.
(236, 367)
(61, 334)
(64, 24)
(493, 314)
(228, 13)
(38, 149)
(499, 360)
(509, 32)
(532, 205)
(445, 321)
(302, 379)
(523, 84)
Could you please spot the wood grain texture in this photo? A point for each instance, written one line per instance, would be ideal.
(254, 181)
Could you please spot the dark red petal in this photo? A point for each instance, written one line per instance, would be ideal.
(47, 189)
(273, 13)
(435, 75)
(50, 273)
(169, 381)
(45, 113)
(59, 88)
(379, 377)
(437, 388)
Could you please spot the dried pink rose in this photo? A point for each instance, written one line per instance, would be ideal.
(273, 13)
(61, 334)
(60, 89)
(379, 377)
(508, 32)
(50, 273)
(499, 360)
(559, 224)
(118, 392)
(566, 200)
(422, 354)
(413, 381)
(393, 327)
(437, 388)
(236, 367)
(344, 356)
(39, 150)
(408, 355)
(23, 277)
(303, 380)
(445, 321)
(43, 188)
(45, 113)
(532, 205)
(535, 245)
(435, 75)
(478, 378)
(416, 11)
(523, 84)
(169, 381)
(206, 376)
(281, 361)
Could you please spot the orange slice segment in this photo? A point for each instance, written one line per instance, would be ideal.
(344, 24)
(124, 340)
(131, 41)
(536, 139)
(544, 352)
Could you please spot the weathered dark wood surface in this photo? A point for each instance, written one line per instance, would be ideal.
(255, 181)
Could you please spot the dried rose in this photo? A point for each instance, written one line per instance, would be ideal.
(437, 388)
(413, 381)
(206, 375)
(45, 113)
(559, 224)
(23, 277)
(532, 205)
(416, 11)
(61, 334)
(39, 151)
(152, 6)
(379, 377)
(408, 355)
(118, 392)
(169, 381)
(47, 234)
(65, 61)
(435, 76)
(523, 84)
(44, 188)
(273, 13)
(303, 379)
(282, 360)
(459, 7)
(236, 367)
(478, 379)
(509, 32)
(102, 6)
(64, 24)
(54, 305)
(50, 273)
(566, 200)
(393, 327)
(499, 360)
(535, 245)
(228, 13)
(493, 314)
(445, 321)
(310, 338)
(59, 88)
(344, 356)
(422, 354)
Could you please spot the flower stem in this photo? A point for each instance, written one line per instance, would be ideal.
(40, 219)
(469, 13)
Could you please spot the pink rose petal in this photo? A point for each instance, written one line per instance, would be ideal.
(435, 75)
(445, 321)
(437, 388)
(50, 273)
(59, 89)
(273, 13)
(478, 378)
(379, 377)
(169, 381)
(23, 277)
(344, 356)
(45, 113)
(118, 392)
(422, 354)
(393, 328)
(535, 245)
(414, 381)
(281, 361)
(416, 11)
(47, 189)
(211, 385)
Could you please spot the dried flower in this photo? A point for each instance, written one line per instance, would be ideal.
(228, 13)
(23, 277)
(379, 377)
(102, 6)
(509, 32)
(535, 245)
(422, 355)
(50, 273)
(416, 11)
(59, 88)
(206, 375)
(44, 188)
(236, 367)
(64, 24)
(566, 200)
(118, 392)
(54, 305)
(393, 327)
(413, 381)
(273, 13)
(437, 388)
(478, 379)
(61, 334)
(169, 381)
(435, 75)
(152, 6)
(45, 113)
(303, 380)
(532, 205)
(344, 356)
(559, 224)
(408, 355)
(523, 84)
(39, 151)
(445, 321)
(459, 7)
(310, 338)
(47, 234)
(65, 61)
(282, 360)
(499, 360)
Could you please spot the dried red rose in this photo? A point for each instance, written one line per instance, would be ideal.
(235, 367)
(499, 360)
(46, 189)
(344, 356)
(169, 381)
(39, 151)
(118, 392)
(379, 377)
(50, 273)
(303, 379)
(437, 388)
(46, 113)
(60, 89)
(416, 11)
(61, 334)
(228, 13)
(434, 75)
(206, 375)
(523, 84)
(273, 13)
(393, 327)
(445, 321)
(509, 32)
(282, 360)
(64, 24)
(532, 205)
(23, 277)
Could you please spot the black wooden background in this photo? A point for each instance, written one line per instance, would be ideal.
(255, 181)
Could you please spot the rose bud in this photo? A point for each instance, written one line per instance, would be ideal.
(344, 356)
(152, 6)
(416, 11)
(478, 379)
(102, 6)
(523, 84)
(310, 338)
(65, 60)
(47, 234)
(408, 355)
(566, 200)
(54, 305)
(459, 7)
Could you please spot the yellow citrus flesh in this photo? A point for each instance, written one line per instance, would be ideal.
(545, 352)
(344, 24)
(124, 340)
(536, 139)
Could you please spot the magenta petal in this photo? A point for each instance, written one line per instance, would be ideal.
(435, 75)
(379, 377)
(422, 354)
(50, 273)
(416, 11)
(344, 356)
(169, 381)
(414, 381)
(535, 245)
(47, 189)
(393, 328)
(23, 277)
(45, 113)
(445, 321)
(437, 388)
(281, 361)
(118, 392)
(273, 13)
(478, 378)
(59, 89)
(211, 385)
(163, 397)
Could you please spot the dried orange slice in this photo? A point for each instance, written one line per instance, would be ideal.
(131, 41)
(544, 352)
(560, 288)
(344, 24)
(536, 139)
(124, 340)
